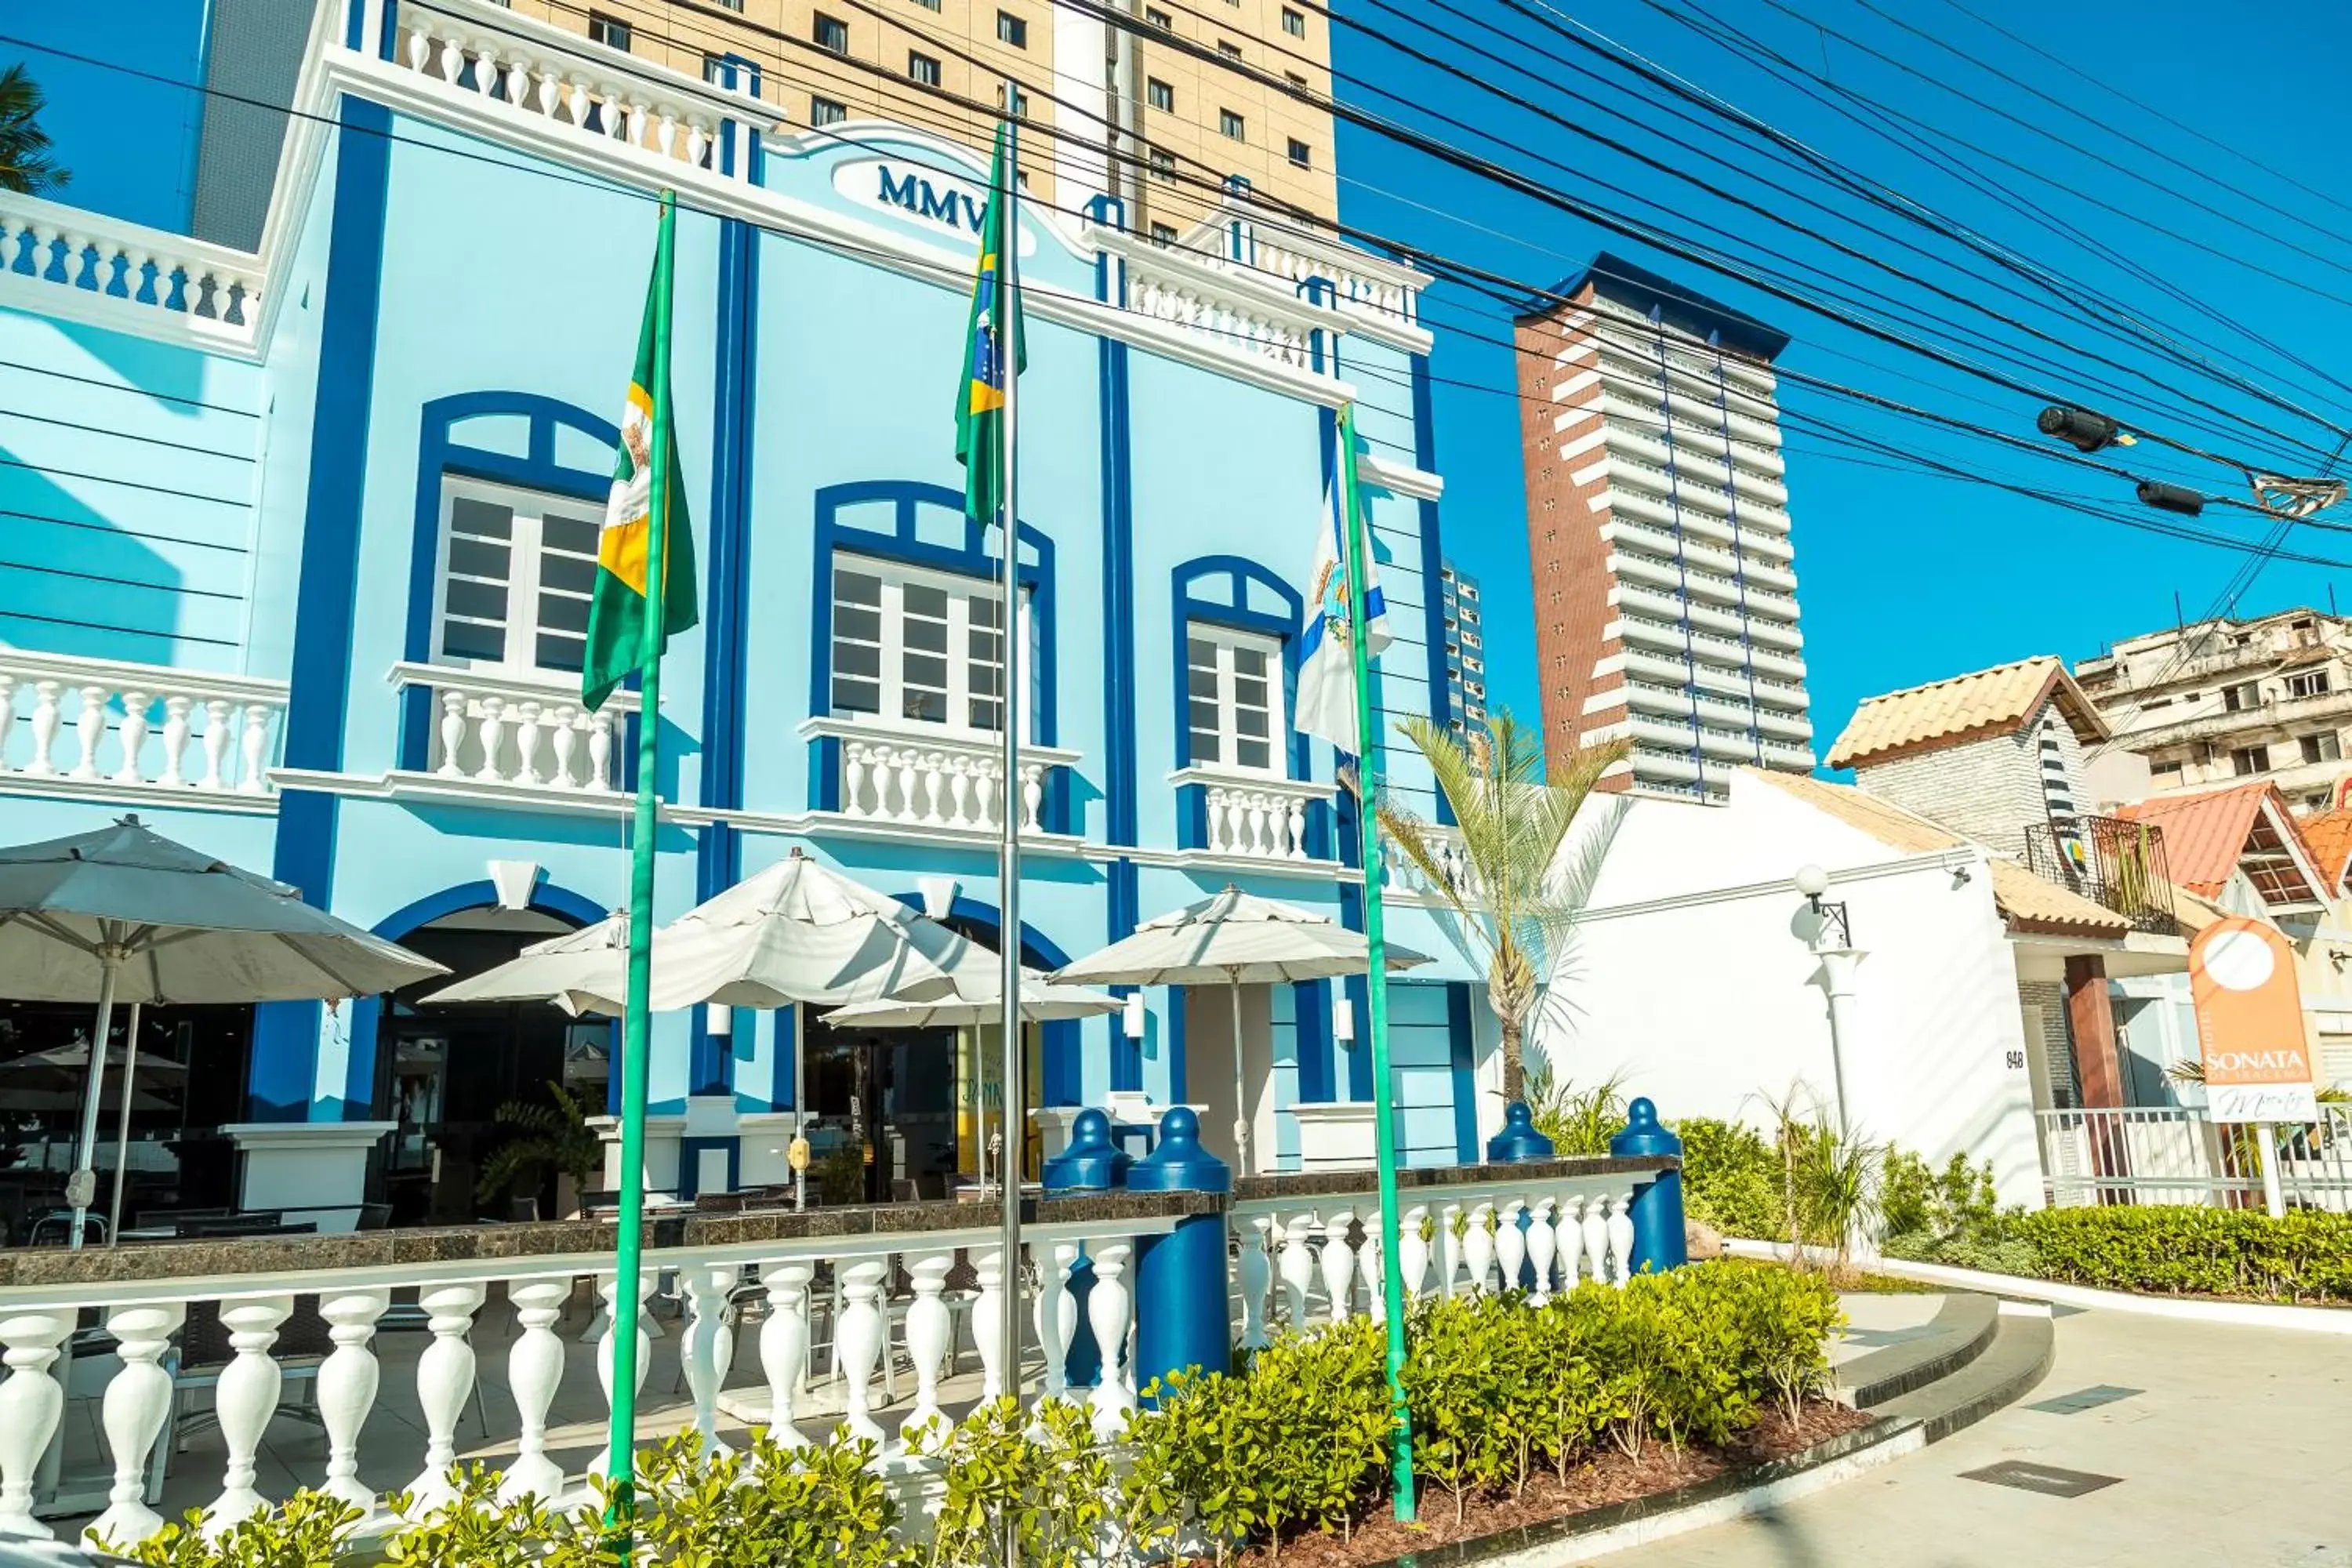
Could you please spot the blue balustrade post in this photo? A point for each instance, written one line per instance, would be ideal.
(1518, 1141)
(1183, 1314)
(1657, 1210)
(1091, 1163)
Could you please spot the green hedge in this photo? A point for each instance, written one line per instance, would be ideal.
(2188, 1249)
(1296, 1440)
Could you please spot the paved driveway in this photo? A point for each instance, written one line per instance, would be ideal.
(2235, 1447)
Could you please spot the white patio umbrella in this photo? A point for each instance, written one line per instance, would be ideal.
(574, 970)
(127, 915)
(974, 1003)
(1233, 939)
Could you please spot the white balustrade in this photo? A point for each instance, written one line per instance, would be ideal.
(507, 65)
(500, 731)
(1453, 862)
(917, 776)
(1354, 285)
(138, 276)
(100, 725)
(1249, 818)
(1217, 310)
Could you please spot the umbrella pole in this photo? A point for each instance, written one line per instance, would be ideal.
(122, 1127)
(1241, 1090)
(84, 1185)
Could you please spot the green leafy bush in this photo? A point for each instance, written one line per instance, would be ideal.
(1731, 1178)
(2187, 1249)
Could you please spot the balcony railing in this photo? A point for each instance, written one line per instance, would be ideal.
(924, 777)
(141, 731)
(1249, 816)
(518, 732)
(2115, 864)
(127, 274)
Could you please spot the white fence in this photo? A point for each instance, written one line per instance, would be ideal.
(2176, 1155)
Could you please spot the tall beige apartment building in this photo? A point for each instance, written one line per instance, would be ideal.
(1127, 112)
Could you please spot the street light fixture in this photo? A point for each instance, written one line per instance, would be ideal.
(2082, 429)
(1813, 882)
(1839, 960)
(2170, 497)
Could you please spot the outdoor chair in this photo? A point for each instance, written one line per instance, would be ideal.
(204, 1352)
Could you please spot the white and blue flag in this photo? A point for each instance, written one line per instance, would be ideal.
(1326, 672)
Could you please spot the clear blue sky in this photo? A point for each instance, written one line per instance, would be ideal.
(1905, 577)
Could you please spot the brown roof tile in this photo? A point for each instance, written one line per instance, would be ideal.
(2329, 834)
(1987, 703)
(2205, 837)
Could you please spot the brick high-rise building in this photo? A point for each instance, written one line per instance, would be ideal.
(1658, 533)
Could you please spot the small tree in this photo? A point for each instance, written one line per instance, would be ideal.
(1498, 867)
(547, 1137)
(27, 164)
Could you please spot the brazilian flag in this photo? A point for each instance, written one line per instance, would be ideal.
(616, 611)
(996, 322)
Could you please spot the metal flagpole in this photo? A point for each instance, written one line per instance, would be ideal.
(636, 1016)
(1368, 779)
(1014, 1115)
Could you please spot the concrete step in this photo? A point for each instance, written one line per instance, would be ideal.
(2012, 1361)
(1962, 1331)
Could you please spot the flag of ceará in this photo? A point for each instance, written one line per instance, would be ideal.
(995, 327)
(1327, 660)
(616, 610)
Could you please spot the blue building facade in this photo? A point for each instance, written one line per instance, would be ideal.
(303, 537)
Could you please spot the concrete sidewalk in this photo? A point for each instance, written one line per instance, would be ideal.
(2234, 1447)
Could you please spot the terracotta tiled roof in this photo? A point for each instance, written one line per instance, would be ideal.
(1995, 701)
(2026, 901)
(2206, 837)
(2330, 837)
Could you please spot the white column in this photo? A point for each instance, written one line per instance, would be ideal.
(929, 1328)
(857, 1340)
(444, 1376)
(534, 1368)
(1297, 1266)
(1251, 1274)
(707, 1285)
(1413, 1252)
(988, 1322)
(244, 1399)
(1510, 1243)
(1572, 1239)
(30, 1404)
(138, 1402)
(608, 1289)
(784, 1343)
(1339, 1264)
(1620, 1238)
(1449, 1248)
(1107, 1315)
(1542, 1244)
(1053, 1314)
(1596, 1237)
(1478, 1246)
(348, 1381)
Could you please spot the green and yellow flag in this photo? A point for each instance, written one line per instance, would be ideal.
(616, 611)
(996, 325)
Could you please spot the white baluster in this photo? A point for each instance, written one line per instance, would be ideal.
(707, 1285)
(1596, 1237)
(46, 721)
(857, 1340)
(176, 741)
(133, 734)
(444, 1378)
(1032, 795)
(526, 743)
(1449, 1248)
(1338, 1264)
(928, 1331)
(666, 132)
(420, 46)
(8, 244)
(910, 798)
(1572, 1240)
(137, 1401)
(575, 95)
(453, 60)
(216, 742)
(491, 733)
(486, 72)
(853, 778)
(784, 1343)
(251, 778)
(534, 1368)
(1107, 1315)
(1296, 1266)
(984, 795)
(30, 1404)
(1413, 1252)
(1054, 1315)
(563, 741)
(934, 780)
(1620, 1239)
(8, 678)
(600, 750)
(1297, 829)
(1253, 1273)
(1368, 1264)
(1260, 834)
(1236, 823)
(89, 730)
(1542, 1243)
(608, 1287)
(697, 138)
(453, 734)
(346, 1387)
(959, 782)
(1510, 1243)
(988, 1320)
(243, 1400)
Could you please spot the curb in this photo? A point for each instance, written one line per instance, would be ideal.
(1966, 1324)
(1639, 1522)
(2023, 1351)
(2238, 1314)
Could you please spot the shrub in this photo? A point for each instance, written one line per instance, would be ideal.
(2187, 1249)
(1731, 1178)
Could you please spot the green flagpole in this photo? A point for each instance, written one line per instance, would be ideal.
(1368, 779)
(635, 1021)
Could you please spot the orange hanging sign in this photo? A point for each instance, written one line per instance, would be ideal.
(2250, 1024)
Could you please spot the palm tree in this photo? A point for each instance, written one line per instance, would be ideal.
(27, 165)
(1497, 867)
(545, 1137)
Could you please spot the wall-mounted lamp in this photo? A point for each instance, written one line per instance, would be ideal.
(1343, 1016)
(2339, 957)
(1131, 1017)
(1961, 877)
(1813, 882)
(718, 1020)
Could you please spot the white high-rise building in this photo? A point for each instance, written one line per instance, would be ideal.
(1658, 533)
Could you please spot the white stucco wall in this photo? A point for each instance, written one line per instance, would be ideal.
(1691, 977)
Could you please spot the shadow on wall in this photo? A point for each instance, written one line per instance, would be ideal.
(113, 585)
(1582, 860)
(173, 376)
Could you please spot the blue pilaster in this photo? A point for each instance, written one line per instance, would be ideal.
(1657, 1211)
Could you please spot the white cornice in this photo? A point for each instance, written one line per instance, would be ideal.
(1399, 478)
